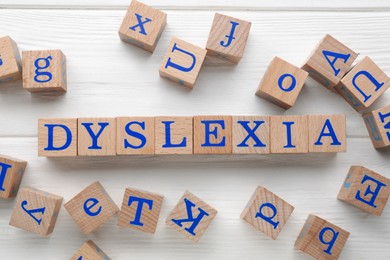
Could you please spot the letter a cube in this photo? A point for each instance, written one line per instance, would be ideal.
(10, 62)
(378, 125)
(182, 62)
(142, 26)
(191, 216)
(366, 190)
(11, 174)
(44, 71)
(91, 208)
(267, 212)
(36, 211)
(321, 239)
(90, 251)
(140, 210)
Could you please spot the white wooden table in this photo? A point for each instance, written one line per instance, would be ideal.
(110, 78)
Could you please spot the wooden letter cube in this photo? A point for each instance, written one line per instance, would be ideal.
(321, 239)
(329, 61)
(250, 134)
(142, 26)
(91, 208)
(267, 212)
(11, 174)
(227, 38)
(365, 189)
(140, 210)
(96, 136)
(57, 137)
(212, 134)
(282, 83)
(327, 133)
(289, 134)
(44, 71)
(10, 62)
(182, 62)
(36, 211)
(90, 251)
(173, 135)
(363, 84)
(378, 125)
(191, 216)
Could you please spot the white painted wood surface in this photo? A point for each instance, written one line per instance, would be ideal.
(110, 78)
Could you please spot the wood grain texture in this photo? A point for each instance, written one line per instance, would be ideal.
(90, 251)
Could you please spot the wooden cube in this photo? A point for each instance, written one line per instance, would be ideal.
(91, 208)
(378, 125)
(57, 137)
(44, 71)
(173, 135)
(142, 26)
(36, 211)
(11, 174)
(321, 239)
(191, 216)
(327, 133)
(212, 134)
(140, 210)
(267, 212)
(329, 61)
(250, 134)
(365, 189)
(363, 84)
(227, 38)
(10, 62)
(90, 251)
(281, 84)
(135, 135)
(289, 134)
(96, 136)
(182, 62)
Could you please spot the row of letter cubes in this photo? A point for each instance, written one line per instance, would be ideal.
(191, 135)
(42, 71)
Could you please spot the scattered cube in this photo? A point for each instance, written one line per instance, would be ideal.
(57, 137)
(363, 84)
(378, 125)
(140, 210)
(142, 26)
(365, 189)
(11, 174)
(329, 61)
(281, 84)
(44, 71)
(212, 134)
(267, 212)
(96, 136)
(10, 62)
(90, 251)
(289, 134)
(227, 38)
(182, 62)
(327, 133)
(321, 239)
(36, 211)
(191, 216)
(91, 208)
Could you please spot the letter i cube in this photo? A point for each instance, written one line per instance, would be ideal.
(321, 239)
(90, 251)
(44, 71)
(366, 190)
(36, 211)
(91, 208)
(182, 62)
(378, 125)
(11, 174)
(10, 62)
(267, 212)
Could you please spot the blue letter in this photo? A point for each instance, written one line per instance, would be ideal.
(293, 82)
(87, 208)
(288, 134)
(1, 61)
(140, 24)
(178, 67)
(336, 56)
(195, 221)
(50, 137)
(214, 132)
(251, 133)
(231, 36)
(266, 218)
(374, 193)
(4, 168)
(138, 213)
(330, 133)
(130, 132)
(168, 142)
(92, 134)
(39, 73)
(332, 240)
(32, 211)
(371, 78)
(386, 126)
